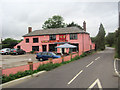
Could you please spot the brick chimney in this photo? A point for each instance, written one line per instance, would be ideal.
(29, 29)
(84, 26)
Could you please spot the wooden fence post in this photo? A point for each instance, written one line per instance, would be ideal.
(62, 58)
(50, 59)
(30, 63)
(71, 55)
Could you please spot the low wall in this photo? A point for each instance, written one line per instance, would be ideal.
(14, 70)
(57, 60)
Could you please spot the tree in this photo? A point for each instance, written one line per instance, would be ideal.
(74, 24)
(19, 40)
(93, 39)
(100, 38)
(110, 39)
(117, 35)
(9, 43)
(55, 22)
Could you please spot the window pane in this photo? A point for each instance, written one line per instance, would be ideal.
(49, 54)
(27, 40)
(39, 53)
(73, 36)
(44, 53)
(35, 48)
(52, 37)
(35, 40)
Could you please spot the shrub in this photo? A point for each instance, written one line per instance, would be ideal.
(32, 51)
(6, 78)
(66, 62)
(48, 66)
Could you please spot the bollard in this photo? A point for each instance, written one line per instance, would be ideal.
(50, 59)
(30, 63)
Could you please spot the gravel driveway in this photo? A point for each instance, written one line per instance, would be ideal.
(7, 61)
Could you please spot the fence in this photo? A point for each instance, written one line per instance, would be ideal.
(35, 65)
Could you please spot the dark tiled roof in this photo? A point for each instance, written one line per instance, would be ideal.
(66, 30)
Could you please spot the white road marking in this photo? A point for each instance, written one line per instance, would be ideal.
(89, 64)
(97, 81)
(97, 58)
(116, 68)
(75, 77)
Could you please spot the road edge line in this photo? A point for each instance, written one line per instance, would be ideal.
(115, 68)
(26, 77)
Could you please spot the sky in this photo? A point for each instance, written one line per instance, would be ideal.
(18, 15)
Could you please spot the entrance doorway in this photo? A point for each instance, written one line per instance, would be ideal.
(18, 47)
(63, 50)
(52, 47)
(75, 49)
(35, 48)
(44, 48)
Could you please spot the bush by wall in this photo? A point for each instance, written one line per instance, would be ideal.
(32, 51)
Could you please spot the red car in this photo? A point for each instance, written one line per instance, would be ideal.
(17, 51)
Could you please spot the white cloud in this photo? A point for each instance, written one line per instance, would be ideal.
(19, 14)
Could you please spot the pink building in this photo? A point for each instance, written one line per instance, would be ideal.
(47, 40)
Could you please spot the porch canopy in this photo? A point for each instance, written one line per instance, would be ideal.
(66, 45)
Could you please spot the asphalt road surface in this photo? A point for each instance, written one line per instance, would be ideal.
(93, 71)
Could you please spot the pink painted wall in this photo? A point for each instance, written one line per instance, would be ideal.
(83, 40)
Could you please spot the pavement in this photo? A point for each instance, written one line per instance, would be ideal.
(8, 61)
(93, 71)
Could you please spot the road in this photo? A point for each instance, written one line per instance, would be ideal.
(93, 71)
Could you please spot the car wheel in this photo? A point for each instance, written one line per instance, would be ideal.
(40, 59)
(16, 53)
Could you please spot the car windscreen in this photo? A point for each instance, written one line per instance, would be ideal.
(53, 54)
(7, 49)
(13, 49)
